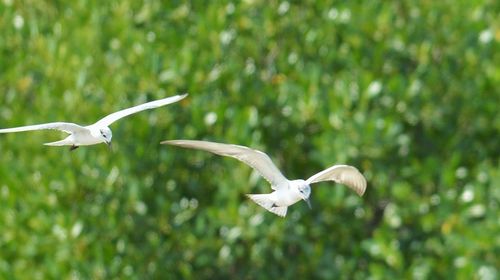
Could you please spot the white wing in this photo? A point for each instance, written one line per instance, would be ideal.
(256, 159)
(62, 126)
(342, 174)
(109, 119)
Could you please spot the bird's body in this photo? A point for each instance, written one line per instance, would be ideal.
(290, 195)
(278, 201)
(88, 135)
(286, 192)
(96, 133)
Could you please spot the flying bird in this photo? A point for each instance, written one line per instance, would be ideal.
(96, 133)
(286, 192)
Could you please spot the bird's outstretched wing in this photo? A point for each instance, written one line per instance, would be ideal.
(256, 159)
(342, 174)
(62, 126)
(109, 119)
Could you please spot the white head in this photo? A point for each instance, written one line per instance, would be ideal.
(304, 190)
(106, 135)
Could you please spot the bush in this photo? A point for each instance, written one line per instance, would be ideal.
(406, 91)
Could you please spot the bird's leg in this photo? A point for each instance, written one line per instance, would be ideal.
(72, 148)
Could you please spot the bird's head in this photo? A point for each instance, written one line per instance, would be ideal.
(304, 191)
(106, 135)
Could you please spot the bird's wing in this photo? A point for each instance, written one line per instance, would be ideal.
(62, 126)
(109, 119)
(256, 159)
(342, 174)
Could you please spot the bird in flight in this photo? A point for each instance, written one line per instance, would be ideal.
(286, 192)
(96, 133)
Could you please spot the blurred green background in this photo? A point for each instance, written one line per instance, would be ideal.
(407, 91)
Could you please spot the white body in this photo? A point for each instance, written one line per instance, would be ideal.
(287, 196)
(286, 192)
(278, 201)
(89, 135)
(96, 133)
(290, 195)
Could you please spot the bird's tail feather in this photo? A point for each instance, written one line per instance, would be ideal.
(63, 142)
(265, 201)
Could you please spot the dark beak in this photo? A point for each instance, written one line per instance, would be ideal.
(109, 145)
(308, 202)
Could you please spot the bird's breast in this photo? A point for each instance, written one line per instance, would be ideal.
(86, 138)
(285, 197)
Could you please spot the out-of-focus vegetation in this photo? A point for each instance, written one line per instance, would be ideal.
(408, 91)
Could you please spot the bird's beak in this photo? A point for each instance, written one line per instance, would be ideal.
(109, 145)
(308, 202)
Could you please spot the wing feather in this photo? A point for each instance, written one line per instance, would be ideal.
(111, 118)
(254, 158)
(62, 126)
(342, 174)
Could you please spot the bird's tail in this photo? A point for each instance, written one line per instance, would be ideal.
(64, 142)
(265, 201)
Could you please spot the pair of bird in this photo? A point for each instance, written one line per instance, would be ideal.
(286, 192)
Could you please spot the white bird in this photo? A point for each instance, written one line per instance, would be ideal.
(96, 133)
(286, 192)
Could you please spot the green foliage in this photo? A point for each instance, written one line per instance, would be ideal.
(408, 91)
